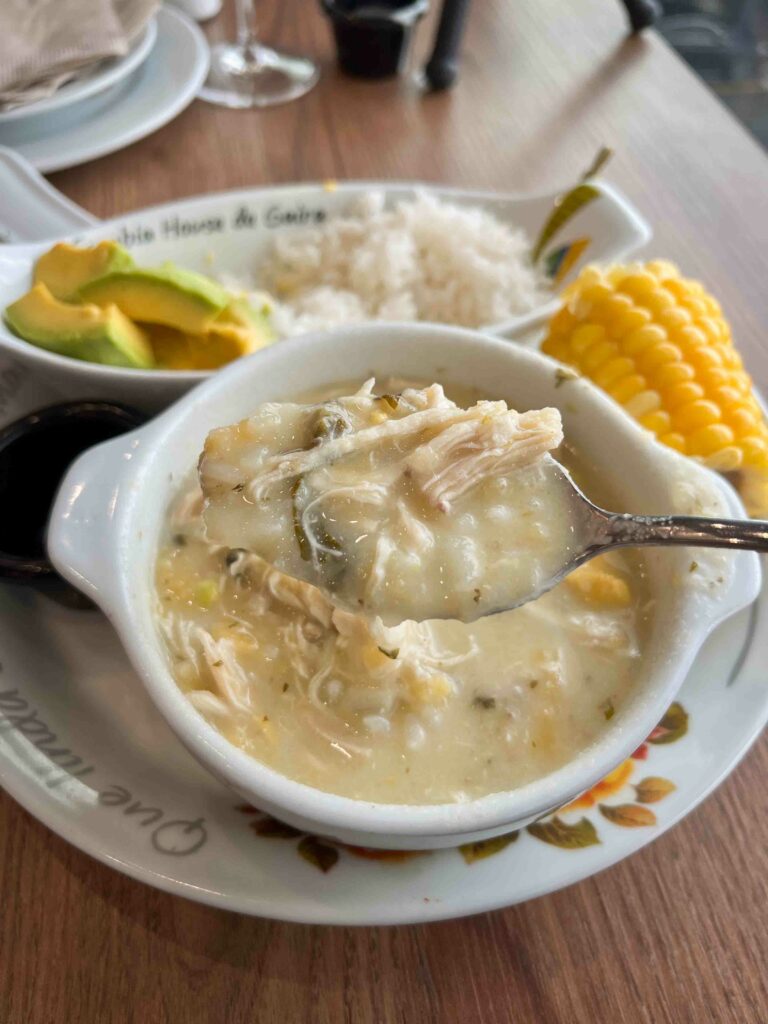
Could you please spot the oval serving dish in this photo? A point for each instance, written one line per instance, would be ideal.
(229, 234)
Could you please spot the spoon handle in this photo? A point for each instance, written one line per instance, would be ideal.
(697, 531)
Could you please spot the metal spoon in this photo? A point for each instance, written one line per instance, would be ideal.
(597, 530)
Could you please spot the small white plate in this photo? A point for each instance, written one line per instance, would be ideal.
(106, 74)
(136, 106)
(85, 751)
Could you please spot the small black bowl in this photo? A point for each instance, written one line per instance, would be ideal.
(35, 453)
(373, 37)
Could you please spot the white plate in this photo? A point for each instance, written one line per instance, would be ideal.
(106, 74)
(154, 94)
(83, 749)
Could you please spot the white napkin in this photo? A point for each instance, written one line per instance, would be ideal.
(44, 43)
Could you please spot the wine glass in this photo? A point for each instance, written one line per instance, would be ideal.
(247, 74)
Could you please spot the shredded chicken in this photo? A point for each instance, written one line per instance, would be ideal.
(188, 509)
(495, 442)
(296, 594)
(391, 432)
(208, 703)
(415, 535)
(229, 677)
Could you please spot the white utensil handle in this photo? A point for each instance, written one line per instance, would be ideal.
(31, 209)
(81, 539)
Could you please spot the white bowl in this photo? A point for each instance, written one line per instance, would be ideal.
(109, 514)
(230, 233)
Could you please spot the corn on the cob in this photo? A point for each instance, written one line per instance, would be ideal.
(661, 347)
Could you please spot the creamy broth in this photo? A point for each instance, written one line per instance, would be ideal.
(428, 712)
(401, 506)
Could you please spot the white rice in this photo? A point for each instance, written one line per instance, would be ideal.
(424, 259)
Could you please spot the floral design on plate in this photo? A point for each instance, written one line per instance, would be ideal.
(556, 829)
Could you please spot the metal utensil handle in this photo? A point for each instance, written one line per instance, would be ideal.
(696, 531)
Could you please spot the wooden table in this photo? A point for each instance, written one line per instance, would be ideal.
(677, 933)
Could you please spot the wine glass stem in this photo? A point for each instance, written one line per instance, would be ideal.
(245, 14)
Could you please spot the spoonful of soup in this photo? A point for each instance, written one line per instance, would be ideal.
(408, 506)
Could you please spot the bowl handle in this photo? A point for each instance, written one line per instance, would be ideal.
(82, 530)
(32, 210)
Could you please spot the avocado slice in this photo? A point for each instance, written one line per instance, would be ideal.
(65, 268)
(85, 332)
(241, 328)
(165, 295)
(221, 344)
(252, 316)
